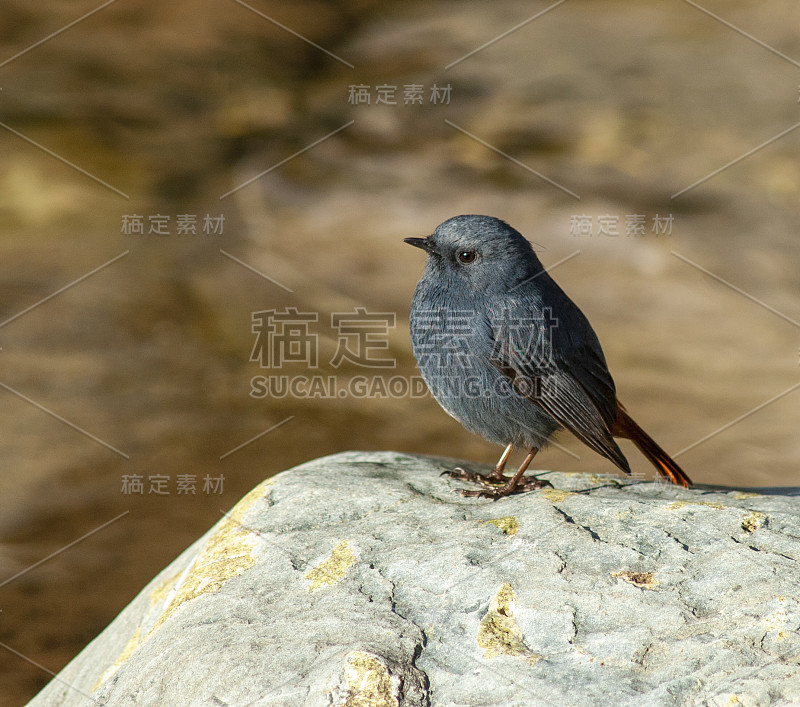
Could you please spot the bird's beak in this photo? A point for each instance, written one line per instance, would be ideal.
(423, 243)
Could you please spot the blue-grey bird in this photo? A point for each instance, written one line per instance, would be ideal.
(506, 353)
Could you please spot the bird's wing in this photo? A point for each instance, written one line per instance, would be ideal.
(587, 364)
(570, 382)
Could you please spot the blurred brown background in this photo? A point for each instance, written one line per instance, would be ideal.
(175, 105)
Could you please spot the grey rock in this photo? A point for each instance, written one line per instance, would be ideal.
(361, 579)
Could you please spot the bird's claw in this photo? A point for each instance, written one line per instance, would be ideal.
(473, 477)
(495, 493)
(532, 483)
(494, 486)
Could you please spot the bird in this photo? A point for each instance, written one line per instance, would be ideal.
(510, 356)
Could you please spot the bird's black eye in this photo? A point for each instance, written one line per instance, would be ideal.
(467, 256)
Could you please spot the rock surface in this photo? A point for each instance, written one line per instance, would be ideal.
(362, 579)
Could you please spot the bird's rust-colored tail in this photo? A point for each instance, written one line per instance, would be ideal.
(625, 426)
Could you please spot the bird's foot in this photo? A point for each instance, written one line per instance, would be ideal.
(490, 480)
(531, 483)
(495, 485)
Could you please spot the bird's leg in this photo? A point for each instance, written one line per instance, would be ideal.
(496, 474)
(513, 485)
(494, 477)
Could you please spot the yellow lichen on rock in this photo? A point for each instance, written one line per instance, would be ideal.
(676, 505)
(643, 580)
(227, 553)
(499, 633)
(333, 569)
(753, 521)
(163, 590)
(130, 646)
(556, 495)
(368, 682)
(509, 524)
(776, 621)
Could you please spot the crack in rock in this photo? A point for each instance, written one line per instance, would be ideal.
(571, 521)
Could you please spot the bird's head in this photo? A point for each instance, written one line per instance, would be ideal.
(482, 253)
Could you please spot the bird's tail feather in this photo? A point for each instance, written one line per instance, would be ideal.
(625, 427)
